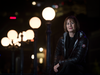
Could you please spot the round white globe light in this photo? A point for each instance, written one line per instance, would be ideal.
(24, 36)
(41, 49)
(29, 34)
(48, 13)
(5, 41)
(32, 56)
(12, 34)
(33, 3)
(40, 60)
(35, 22)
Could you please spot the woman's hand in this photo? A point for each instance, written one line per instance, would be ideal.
(56, 67)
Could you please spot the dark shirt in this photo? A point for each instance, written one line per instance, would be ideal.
(70, 43)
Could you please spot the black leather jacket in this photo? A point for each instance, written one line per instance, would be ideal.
(78, 53)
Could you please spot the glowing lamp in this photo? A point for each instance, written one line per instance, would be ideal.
(40, 60)
(33, 3)
(41, 49)
(35, 22)
(24, 36)
(40, 55)
(32, 56)
(12, 34)
(48, 13)
(29, 34)
(5, 41)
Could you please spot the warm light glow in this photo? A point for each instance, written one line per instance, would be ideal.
(29, 34)
(10, 43)
(12, 34)
(32, 40)
(16, 13)
(48, 13)
(15, 41)
(35, 22)
(18, 44)
(40, 55)
(24, 36)
(19, 38)
(41, 60)
(5, 41)
(33, 3)
(41, 49)
(32, 56)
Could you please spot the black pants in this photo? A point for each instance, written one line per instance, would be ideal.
(70, 68)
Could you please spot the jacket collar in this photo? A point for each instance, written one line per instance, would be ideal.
(81, 33)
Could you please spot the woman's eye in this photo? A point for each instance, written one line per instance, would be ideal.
(72, 23)
(67, 23)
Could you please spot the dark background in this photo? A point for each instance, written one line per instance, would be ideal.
(86, 11)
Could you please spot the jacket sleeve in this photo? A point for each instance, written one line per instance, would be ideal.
(80, 54)
(58, 51)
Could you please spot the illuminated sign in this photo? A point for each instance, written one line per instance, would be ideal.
(12, 17)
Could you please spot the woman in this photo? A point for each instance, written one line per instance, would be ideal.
(71, 50)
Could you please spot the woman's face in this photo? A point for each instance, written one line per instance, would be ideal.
(70, 25)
